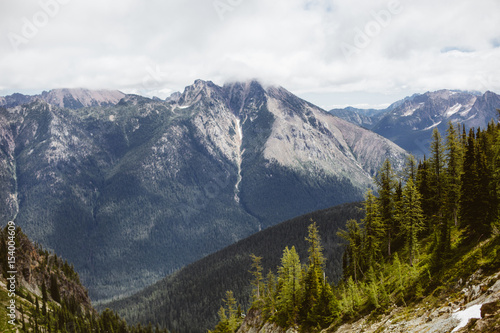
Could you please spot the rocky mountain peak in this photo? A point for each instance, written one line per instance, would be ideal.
(80, 97)
(67, 98)
(199, 90)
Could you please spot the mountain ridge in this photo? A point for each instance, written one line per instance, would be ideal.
(409, 122)
(155, 185)
(73, 98)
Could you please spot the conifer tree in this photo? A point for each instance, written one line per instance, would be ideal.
(353, 250)
(44, 292)
(54, 289)
(437, 183)
(229, 318)
(386, 187)
(373, 230)
(468, 186)
(234, 317)
(423, 185)
(485, 200)
(412, 220)
(454, 161)
(257, 280)
(289, 288)
(270, 295)
(315, 283)
(410, 169)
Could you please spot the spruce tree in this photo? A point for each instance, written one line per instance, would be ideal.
(256, 272)
(315, 288)
(229, 317)
(270, 295)
(485, 200)
(437, 181)
(410, 169)
(289, 288)
(412, 220)
(353, 249)
(373, 230)
(469, 186)
(423, 185)
(54, 289)
(454, 161)
(386, 186)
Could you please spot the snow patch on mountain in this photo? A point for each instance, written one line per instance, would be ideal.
(454, 109)
(410, 111)
(432, 126)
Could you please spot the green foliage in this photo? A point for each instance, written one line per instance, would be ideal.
(289, 290)
(189, 300)
(229, 317)
(376, 279)
(352, 253)
(411, 218)
(373, 231)
(386, 186)
(256, 272)
(62, 307)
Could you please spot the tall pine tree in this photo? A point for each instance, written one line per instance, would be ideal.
(469, 186)
(411, 217)
(289, 289)
(373, 231)
(386, 186)
(353, 250)
(315, 290)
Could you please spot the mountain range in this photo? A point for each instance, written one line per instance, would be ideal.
(66, 98)
(409, 122)
(131, 189)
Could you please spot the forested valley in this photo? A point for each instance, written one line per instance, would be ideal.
(424, 229)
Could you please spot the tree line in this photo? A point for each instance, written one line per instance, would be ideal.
(416, 221)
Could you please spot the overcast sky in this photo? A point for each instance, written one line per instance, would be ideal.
(333, 53)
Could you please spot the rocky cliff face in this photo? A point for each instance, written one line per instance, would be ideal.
(134, 190)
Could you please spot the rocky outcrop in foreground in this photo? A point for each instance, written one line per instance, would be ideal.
(475, 309)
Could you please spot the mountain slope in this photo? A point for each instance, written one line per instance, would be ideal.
(188, 300)
(366, 118)
(410, 121)
(134, 191)
(40, 292)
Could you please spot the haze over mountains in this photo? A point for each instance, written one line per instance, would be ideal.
(130, 189)
(409, 122)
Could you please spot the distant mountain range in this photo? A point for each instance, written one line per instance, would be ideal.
(130, 189)
(67, 98)
(409, 122)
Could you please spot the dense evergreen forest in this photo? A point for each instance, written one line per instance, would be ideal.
(423, 230)
(188, 300)
(49, 296)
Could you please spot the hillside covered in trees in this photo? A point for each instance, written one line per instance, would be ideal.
(47, 293)
(188, 300)
(425, 232)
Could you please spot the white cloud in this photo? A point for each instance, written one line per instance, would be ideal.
(156, 47)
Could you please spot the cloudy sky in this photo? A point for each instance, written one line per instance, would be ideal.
(332, 52)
